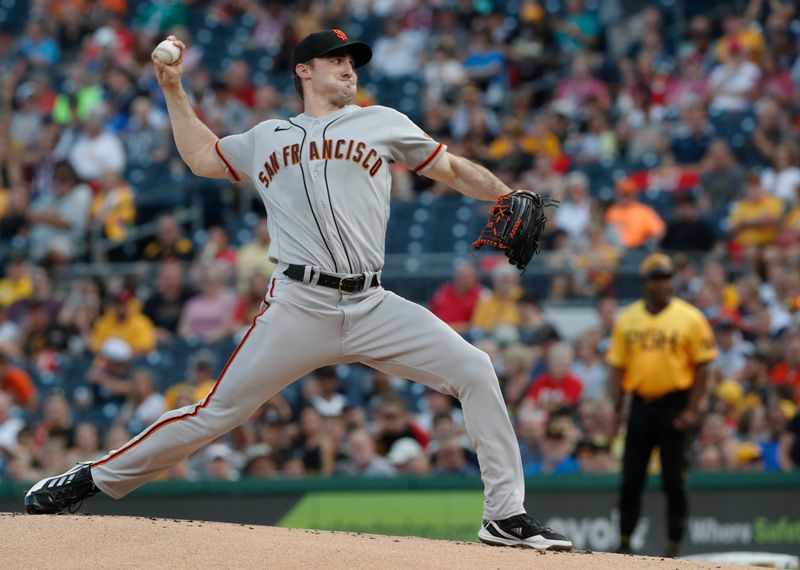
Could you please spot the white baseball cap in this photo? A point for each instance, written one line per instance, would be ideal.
(116, 350)
(404, 450)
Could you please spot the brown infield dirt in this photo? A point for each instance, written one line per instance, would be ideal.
(88, 541)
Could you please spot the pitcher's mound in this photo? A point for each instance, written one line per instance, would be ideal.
(83, 541)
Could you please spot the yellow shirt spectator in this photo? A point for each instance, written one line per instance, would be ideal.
(750, 40)
(754, 219)
(494, 310)
(17, 285)
(123, 320)
(113, 207)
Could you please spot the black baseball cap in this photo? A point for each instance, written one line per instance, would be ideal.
(327, 41)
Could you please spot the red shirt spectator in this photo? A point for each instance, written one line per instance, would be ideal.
(454, 302)
(550, 392)
(558, 386)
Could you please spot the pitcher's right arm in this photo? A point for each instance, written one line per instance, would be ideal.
(195, 141)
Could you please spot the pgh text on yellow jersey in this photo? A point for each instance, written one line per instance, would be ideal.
(660, 352)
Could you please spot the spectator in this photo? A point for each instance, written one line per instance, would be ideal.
(451, 459)
(249, 305)
(169, 242)
(755, 218)
(17, 285)
(595, 264)
(259, 462)
(396, 52)
(594, 457)
(558, 448)
(10, 425)
(574, 214)
(362, 459)
(59, 220)
(789, 446)
(454, 302)
(733, 350)
(444, 76)
(145, 136)
(223, 112)
(219, 459)
(39, 48)
(693, 136)
(144, 405)
(770, 129)
(80, 310)
(87, 443)
(733, 83)
(209, 314)
(739, 39)
(393, 422)
(200, 381)
(109, 379)
(580, 89)
(97, 151)
(218, 251)
(18, 384)
(164, 307)
(408, 458)
(56, 425)
(580, 29)
(721, 177)
(557, 387)
(253, 256)
(499, 308)
(471, 119)
(638, 224)
(783, 179)
(533, 324)
(589, 368)
(123, 320)
(328, 402)
(484, 64)
(113, 211)
(786, 373)
(687, 231)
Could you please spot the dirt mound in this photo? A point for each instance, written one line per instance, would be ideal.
(84, 541)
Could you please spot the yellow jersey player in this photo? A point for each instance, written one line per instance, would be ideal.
(660, 350)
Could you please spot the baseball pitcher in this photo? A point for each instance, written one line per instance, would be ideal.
(324, 177)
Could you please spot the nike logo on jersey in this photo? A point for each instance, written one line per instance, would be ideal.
(278, 129)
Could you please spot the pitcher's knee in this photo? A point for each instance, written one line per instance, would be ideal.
(475, 371)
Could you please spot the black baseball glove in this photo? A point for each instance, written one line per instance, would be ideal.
(515, 225)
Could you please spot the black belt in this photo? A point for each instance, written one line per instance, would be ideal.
(341, 284)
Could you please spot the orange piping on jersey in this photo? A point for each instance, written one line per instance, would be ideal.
(429, 159)
(155, 427)
(228, 165)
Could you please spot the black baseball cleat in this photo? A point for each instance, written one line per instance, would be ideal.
(54, 494)
(522, 530)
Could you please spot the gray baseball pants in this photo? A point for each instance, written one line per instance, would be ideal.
(304, 327)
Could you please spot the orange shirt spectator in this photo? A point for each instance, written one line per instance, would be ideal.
(636, 223)
(17, 383)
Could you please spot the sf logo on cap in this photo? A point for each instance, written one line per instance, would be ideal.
(340, 34)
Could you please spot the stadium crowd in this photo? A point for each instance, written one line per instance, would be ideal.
(655, 131)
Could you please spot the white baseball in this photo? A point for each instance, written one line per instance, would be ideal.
(167, 52)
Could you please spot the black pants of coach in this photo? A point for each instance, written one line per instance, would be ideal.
(650, 425)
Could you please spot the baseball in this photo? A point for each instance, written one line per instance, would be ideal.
(167, 52)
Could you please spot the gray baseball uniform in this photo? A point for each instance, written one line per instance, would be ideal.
(325, 182)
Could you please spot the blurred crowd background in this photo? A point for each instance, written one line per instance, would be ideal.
(127, 282)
